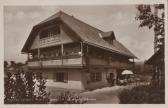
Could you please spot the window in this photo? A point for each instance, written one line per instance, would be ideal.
(50, 32)
(96, 76)
(61, 77)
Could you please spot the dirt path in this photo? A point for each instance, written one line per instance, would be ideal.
(107, 95)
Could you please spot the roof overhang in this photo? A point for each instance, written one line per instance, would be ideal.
(110, 50)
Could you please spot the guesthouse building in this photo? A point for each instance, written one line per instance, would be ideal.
(74, 55)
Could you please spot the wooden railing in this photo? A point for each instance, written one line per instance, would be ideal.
(56, 62)
(50, 41)
(121, 65)
(113, 64)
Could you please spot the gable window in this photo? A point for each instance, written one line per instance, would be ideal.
(50, 32)
(95, 76)
(61, 77)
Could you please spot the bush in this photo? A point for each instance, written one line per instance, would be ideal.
(20, 89)
(69, 98)
(141, 95)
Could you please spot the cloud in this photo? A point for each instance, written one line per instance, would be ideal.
(34, 15)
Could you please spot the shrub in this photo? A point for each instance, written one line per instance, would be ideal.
(69, 98)
(20, 89)
(142, 94)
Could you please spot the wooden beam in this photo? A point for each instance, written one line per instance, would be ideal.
(38, 53)
(133, 66)
(28, 56)
(38, 46)
(81, 49)
(62, 49)
(87, 48)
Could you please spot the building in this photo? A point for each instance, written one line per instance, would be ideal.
(74, 55)
(157, 59)
(158, 35)
(157, 63)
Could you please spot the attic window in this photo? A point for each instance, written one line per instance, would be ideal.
(49, 32)
(100, 35)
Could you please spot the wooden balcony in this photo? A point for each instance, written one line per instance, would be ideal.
(34, 64)
(121, 65)
(56, 63)
(49, 41)
(111, 64)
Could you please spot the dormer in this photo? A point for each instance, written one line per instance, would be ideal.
(108, 36)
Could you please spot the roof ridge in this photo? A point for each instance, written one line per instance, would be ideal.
(71, 16)
(58, 14)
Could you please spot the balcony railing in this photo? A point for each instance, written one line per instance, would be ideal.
(52, 40)
(110, 63)
(121, 65)
(56, 62)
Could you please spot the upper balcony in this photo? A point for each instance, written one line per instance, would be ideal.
(71, 55)
(56, 56)
(49, 41)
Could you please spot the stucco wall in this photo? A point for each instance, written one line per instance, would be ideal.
(99, 84)
(77, 78)
(74, 79)
(94, 85)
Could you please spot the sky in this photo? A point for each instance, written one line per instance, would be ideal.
(19, 20)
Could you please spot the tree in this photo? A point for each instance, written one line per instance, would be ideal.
(8, 85)
(151, 19)
(152, 16)
(13, 64)
(5, 64)
(20, 89)
(148, 18)
(19, 64)
(30, 84)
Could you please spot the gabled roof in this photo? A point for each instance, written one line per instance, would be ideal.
(86, 33)
(156, 58)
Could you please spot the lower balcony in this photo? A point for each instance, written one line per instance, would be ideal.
(56, 63)
(98, 62)
(121, 65)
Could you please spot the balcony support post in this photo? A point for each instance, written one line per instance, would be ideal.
(87, 49)
(62, 49)
(81, 49)
(38, 50)
(133, 65)
(62, 52)
(38, 53)
(28, 56)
